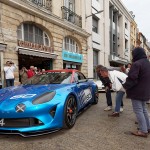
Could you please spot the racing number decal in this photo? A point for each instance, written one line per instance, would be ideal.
(86, 95)
(23, 96)
(2, 122)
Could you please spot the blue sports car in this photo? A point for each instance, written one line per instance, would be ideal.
(46, 102)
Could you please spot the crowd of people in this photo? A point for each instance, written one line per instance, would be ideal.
(135, 82)
(28, 73)
(24, 73)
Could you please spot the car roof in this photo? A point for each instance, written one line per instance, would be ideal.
(63, 70)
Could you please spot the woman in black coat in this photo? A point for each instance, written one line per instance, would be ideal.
(137, 87)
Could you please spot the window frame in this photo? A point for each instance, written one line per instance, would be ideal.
(94, 18)
(21, 29)
(73, 47)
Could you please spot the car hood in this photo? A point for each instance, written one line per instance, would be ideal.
(24, 93)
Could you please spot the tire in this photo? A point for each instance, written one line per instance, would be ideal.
(70, 112)
(96, 96)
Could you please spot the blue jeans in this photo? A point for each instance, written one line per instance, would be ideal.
(109, 99)
(140, 110)
(9, 82)
(119, 98)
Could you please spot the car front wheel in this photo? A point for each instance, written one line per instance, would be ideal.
(70, 112)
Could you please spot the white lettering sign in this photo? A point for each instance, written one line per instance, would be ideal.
(23, 96)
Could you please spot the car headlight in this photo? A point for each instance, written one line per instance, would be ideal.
(44, 98)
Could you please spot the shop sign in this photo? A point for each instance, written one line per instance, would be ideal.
(35, 46)
(70, 56)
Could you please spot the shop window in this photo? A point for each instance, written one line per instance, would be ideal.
(33, 34)
(71, 45)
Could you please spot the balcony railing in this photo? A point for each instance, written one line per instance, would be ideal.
(71, 16)
(41, 3)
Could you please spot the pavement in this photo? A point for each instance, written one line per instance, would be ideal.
(93, 130)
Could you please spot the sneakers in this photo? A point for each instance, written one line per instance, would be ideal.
(121, 109)
(108, 108)
(114, 114)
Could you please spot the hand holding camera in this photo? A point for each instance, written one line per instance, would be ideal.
(11, 62)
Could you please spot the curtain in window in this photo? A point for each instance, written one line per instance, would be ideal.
(33, 34)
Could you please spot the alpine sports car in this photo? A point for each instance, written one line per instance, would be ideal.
(46, 102)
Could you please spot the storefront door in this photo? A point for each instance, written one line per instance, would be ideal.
(39, 62)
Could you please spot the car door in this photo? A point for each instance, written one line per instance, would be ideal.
(84, 89)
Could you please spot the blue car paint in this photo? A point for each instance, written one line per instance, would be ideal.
(40, 111)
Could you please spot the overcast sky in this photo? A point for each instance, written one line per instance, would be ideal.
(141, 10)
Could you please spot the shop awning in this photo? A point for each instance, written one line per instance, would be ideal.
(37, 53)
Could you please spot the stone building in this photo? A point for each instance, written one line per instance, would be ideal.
(133, 35)
(43, 33)
(143, 42)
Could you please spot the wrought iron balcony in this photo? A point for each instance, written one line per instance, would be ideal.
(71, 16)
(41, 3)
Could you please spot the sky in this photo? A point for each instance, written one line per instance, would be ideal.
(141, 10)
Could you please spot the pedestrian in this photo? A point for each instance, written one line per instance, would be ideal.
(23, 74)
(137, 87)
(107, 83)
(9, 73)
(122, 68)
(35, 70)
(128, 68)
(31, 72)
(116, 78)
(43, 70)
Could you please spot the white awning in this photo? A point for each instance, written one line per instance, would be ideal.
(37, 53)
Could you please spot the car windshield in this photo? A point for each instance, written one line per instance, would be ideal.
(50, 78)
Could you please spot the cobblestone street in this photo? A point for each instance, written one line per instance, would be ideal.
(93, 130)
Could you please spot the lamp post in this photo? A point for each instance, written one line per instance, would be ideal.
(95, 13)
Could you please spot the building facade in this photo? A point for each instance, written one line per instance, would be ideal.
(109, 25)
(94, 26)
(133, 35)
(120, 20)
(143, 42)
(44, 34)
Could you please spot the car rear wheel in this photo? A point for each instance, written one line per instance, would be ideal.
(70, 112)
(96, 96)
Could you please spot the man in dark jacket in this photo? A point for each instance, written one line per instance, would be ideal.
(137, 87)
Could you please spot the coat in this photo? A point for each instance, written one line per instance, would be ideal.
(137, 84)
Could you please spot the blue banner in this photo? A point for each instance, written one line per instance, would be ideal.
(70, 56)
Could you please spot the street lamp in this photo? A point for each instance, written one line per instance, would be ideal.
(95, 13)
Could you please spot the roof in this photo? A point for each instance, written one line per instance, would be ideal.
(62, 70)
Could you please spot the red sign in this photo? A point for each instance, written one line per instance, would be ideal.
(35, 46)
